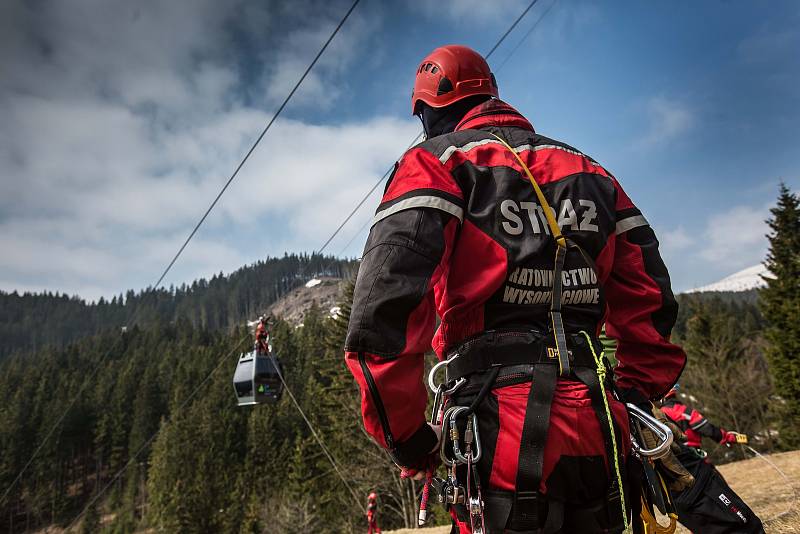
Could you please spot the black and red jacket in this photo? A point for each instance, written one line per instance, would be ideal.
(459, 233)
(693, 423)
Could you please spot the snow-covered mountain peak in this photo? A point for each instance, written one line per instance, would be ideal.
(743, 280)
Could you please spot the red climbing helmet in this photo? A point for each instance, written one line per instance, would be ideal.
(372, 496)
(449, 74)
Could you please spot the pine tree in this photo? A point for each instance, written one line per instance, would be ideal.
(780, 302)
(726, 375)
(91, 521)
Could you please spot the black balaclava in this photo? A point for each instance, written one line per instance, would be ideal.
(438, 121)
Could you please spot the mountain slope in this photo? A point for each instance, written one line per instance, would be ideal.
(320, 292)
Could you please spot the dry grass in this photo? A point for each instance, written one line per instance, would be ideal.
(761, 487)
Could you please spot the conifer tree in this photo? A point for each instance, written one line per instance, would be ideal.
(91, 521)
(780, 302)
(726, 372)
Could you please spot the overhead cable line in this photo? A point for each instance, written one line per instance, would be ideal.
(257, 141)
(374, 187)
(527, 34)
(185, 403)
(419, 136)
(157, 284)
(364, 199)
(511, 28)
(315, 434)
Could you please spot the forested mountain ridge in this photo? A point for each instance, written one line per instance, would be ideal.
(31, 321)
(211, 467)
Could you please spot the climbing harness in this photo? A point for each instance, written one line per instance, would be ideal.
(257, 376)
(596, 380)
(494, 358)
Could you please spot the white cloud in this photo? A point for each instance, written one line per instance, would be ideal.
(461, 10)
(676, 240)
(121, 121)
(727, 241)
(769, 44)
(735, 238)
(667, 119)
(113, 215)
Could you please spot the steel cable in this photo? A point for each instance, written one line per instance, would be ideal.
(372, 190)
(134, 316)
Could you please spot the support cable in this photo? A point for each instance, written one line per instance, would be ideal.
(315, 434)
(513, 51)
(185, 403)
(257, 141)
(182, 248)
(527, 34)
(511, 28)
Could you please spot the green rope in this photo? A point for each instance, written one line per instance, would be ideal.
(601, 373)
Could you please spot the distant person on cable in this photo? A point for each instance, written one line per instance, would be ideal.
(372, 514)
(460, 232)
(711, 506)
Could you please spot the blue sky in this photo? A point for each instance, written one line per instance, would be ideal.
(122, 120)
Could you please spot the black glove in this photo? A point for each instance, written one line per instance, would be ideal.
(414, 454)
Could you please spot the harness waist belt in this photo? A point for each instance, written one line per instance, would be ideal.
(505, 348)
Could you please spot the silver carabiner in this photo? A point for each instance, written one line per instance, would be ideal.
(450, 419)
(445, 435)
(436, 408)
(662, 432)
(432, 376)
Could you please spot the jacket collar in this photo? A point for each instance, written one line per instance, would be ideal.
(493, 112)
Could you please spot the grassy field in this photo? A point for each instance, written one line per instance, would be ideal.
(764, 490)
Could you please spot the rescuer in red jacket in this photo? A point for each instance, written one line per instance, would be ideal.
(372, 514)
(711, 506)
(460, 232)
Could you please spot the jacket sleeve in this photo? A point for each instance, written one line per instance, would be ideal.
(704, 427)
(641, 309)
(393, 314)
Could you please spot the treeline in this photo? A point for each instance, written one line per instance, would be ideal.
(29, 322)
(213, 467)
(727, 375)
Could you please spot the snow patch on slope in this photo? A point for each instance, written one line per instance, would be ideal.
(744, 280)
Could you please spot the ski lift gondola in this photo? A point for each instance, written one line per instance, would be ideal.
(257, 379)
